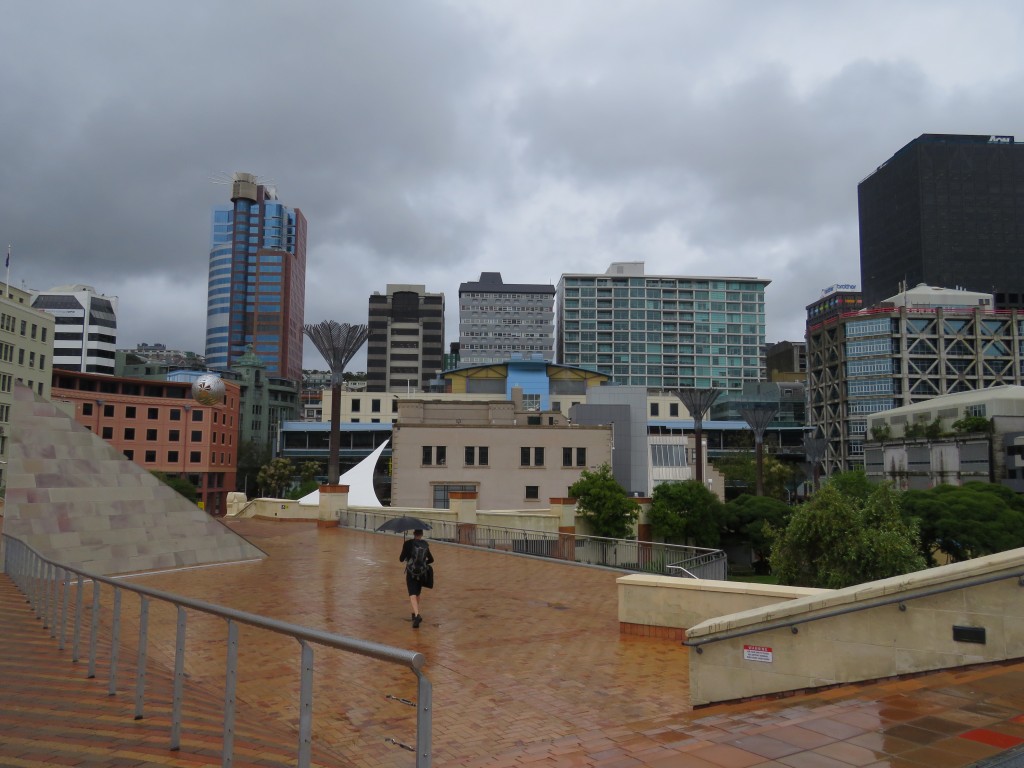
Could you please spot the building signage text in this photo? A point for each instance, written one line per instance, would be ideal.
(838, 287)
(1000, 139)
(757, 653)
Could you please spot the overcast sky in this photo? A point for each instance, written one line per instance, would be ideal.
(426, 142)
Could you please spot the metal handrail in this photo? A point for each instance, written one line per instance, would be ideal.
(46, 584)
(864, 605)
(630, 555)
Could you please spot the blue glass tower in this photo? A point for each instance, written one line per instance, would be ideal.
(257, 284)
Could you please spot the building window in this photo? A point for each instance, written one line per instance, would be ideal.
(375, 405)
(87, 409)
(197, 415)
(151, 457)
(172, 457)
(175, 414)
(525, 455)
(581, 457)
(195, 457)
(153, 413)
(129, 412)
(357, 405)
(435, 454)
(532, 492)
(174, 435)
(108, 411)
(129, 454)
(129, 433)
(673, 409)
(150, 435)
(476, 455)
(654, 409)
(108, 433)
(197, 435)
(442, 491)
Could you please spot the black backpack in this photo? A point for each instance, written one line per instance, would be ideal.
(417, 565)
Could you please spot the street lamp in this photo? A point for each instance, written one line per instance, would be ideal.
(698, 402)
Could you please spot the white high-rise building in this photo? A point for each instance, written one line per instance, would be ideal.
(85, 327)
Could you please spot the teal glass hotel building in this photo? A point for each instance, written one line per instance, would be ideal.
(663, 332)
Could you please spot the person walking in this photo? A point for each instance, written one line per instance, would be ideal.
(419, 572)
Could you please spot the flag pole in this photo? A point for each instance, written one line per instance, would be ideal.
(8, 279)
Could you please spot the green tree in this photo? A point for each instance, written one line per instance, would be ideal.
(967, 521)
(251, 458)
(853, 484)
(740, 472)
(837, 540)
(881, 433)
(747, 520)
(180, 484)
(604, 503)
(686, 512)
(307, 480)
(274, 478)
(972, 424)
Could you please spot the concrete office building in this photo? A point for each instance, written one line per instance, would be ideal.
(915, 346)
(26, 356)
(945, 210)
(499, 321)
(405, 345)
(663, 332)
(85, 333)
(257, 283)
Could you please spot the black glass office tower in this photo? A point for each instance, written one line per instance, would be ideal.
(946, 210)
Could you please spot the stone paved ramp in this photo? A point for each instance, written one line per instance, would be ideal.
(529, 670)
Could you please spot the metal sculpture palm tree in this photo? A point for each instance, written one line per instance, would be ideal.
(338, 343)
(698, 402)
(758, 416)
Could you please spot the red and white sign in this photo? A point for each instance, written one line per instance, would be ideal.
(757, 653)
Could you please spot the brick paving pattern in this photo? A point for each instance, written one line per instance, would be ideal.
(526, 661)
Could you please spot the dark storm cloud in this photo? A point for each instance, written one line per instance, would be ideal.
(429, 141)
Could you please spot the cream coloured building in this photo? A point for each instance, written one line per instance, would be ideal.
(513, 458)
(26, 355)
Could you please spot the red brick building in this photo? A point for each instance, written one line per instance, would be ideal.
(159, 426)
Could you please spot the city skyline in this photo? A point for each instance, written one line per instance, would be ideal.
(701, 138)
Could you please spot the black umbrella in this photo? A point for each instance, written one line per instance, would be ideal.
(405, 523)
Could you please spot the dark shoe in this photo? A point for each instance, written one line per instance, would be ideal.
(412, 617)
(416, 621)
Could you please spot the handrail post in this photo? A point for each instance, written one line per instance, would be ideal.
(179, 680)
(140, 668)
(94, 628)
(306, 705)
(115, 642)
(78, 617)
(230, 681)
(424, 717)
(63, 608)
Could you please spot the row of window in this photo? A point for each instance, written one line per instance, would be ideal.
(174, 457)
(9, 323)
(442, 493)
(7, 355)
(130, 412)
(173, 435)
(479, 456)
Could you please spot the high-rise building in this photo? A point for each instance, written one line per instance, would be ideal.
(663, 332)
(498, 322)
(945, 210)
(85, 328)
(257, 283)
(405, 345)
(922, 343)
